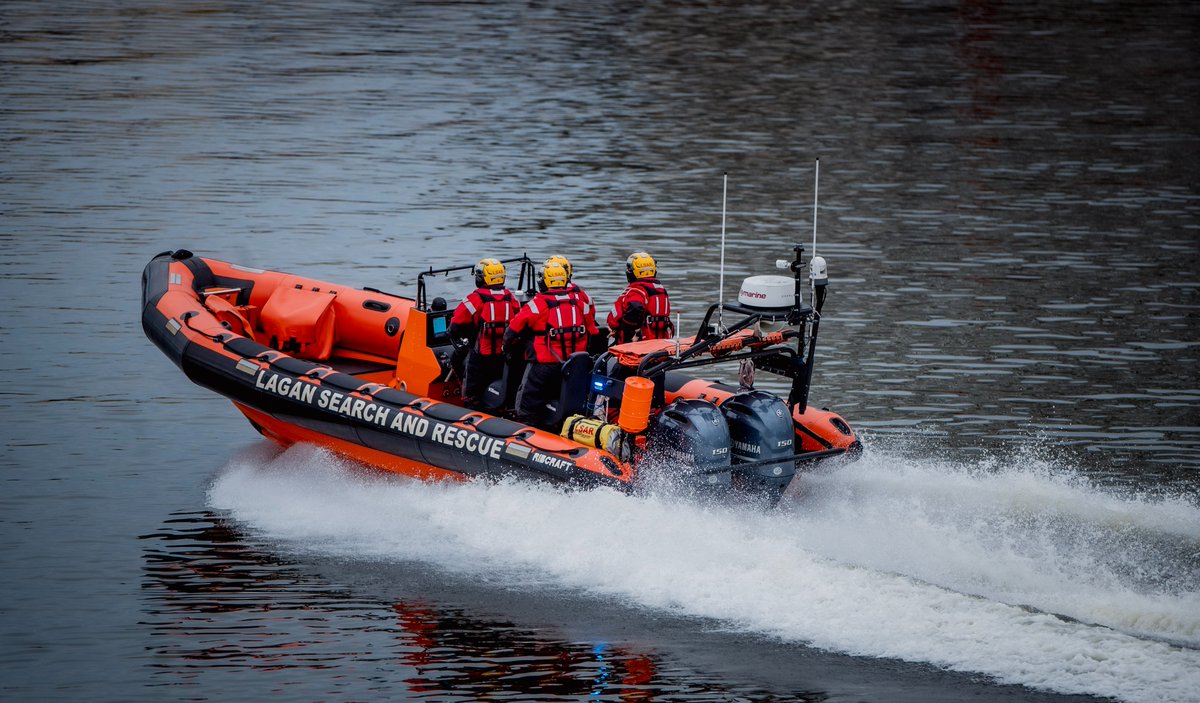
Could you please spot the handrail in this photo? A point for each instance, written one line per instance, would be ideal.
(526, 268)
(781, 353)
(700, 347)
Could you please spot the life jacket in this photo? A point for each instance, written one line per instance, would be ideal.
(658, 323)
(565, 328)
(583, 299)
(493, 309)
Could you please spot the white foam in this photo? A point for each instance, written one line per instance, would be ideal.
(916, 560)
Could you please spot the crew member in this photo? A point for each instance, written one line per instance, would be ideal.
(559, 328)
(643, 310)
(482, 318)
(573, 289)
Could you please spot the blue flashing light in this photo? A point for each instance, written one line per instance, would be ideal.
(605, 385)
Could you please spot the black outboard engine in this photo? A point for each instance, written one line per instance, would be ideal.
(690, 434)
(760, 427)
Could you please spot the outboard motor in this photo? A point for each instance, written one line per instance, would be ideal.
(760, 427)
(691, 433)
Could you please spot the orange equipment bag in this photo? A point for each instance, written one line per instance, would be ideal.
(300, 321)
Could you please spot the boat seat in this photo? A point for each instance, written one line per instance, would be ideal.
(501, 394)
(576, 381)
(300, 321)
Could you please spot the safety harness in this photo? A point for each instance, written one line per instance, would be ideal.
(495, 311)
(565, 329)
(658, 323)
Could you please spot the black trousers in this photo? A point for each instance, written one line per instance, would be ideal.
(540, 385)
(480, 370)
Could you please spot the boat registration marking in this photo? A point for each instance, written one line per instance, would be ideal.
(518, 450)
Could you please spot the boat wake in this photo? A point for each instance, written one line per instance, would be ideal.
(1020, 570)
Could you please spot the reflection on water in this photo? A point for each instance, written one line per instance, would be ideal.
(1009, 206)
(481, 659)
(218, 606)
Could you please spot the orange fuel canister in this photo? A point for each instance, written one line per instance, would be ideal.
(635, 404)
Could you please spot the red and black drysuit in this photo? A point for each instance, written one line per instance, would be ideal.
(596, 341)
(482, 317)
(559, 326)
(643, 311)
(585, 300)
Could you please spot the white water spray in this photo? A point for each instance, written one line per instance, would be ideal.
(957, 565)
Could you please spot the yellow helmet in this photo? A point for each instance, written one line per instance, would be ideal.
(488, 272)
(553, 275)
(560, 259)
(640, 265)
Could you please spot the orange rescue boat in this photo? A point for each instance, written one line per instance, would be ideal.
(371, 375)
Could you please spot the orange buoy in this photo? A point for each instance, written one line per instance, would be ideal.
(635, 404)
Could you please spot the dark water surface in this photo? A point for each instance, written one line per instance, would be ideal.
(1010, 207)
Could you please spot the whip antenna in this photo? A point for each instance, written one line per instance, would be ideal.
(816, 182)
(817, 272)
(721, 286)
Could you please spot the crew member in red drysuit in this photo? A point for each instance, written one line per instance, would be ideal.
(559, 327)
(643, 310)
(573, 288)
(482, 318)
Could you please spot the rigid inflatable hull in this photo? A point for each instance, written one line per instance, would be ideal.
(292, 400)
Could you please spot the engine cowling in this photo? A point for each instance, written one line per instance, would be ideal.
(690, 440)
(760, 428)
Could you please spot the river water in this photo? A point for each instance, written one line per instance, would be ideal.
(1010, 207)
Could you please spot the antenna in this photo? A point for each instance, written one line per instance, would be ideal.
(721, 285)
(817, 272)
(816, 182)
